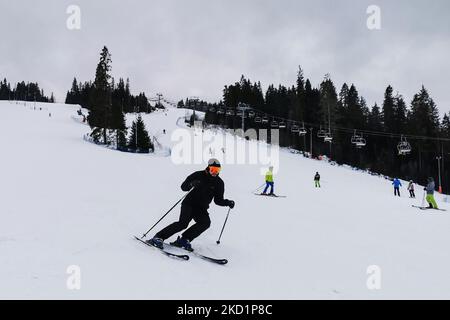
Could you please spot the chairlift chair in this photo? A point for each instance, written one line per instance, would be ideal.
(302, 131)
(274, 124)
(265, 119)
(282, 125)
(295, 129)
(360, 142)
(403, 147)
(355, 137)
(328, 138)
(321, 133)
(257, 119)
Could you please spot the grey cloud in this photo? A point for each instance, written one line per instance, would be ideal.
(183, 48)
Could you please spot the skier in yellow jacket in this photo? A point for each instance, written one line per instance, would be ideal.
(269, 181)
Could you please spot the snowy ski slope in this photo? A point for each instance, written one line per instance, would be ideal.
(65, 201)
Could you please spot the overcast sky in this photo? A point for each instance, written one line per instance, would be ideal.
(184, 48)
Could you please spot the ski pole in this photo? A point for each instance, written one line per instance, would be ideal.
(218, 241)
(259, 187)
(145, 234)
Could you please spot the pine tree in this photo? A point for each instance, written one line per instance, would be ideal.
(298, 112)
(118, 126)
(424, 116)
(328, 102)
(139, 140)
(375, 119)
(311, 107)
(389, 110)
(399, 116)
(99, 115)
(73, 96)
(445, 126)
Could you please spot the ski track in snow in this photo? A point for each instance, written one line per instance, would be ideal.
(69, 202)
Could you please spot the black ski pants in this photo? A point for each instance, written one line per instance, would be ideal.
(396, 191)
(188, 212)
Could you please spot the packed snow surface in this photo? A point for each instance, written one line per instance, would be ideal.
(67, 203)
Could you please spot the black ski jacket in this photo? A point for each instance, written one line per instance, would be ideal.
(209, 188)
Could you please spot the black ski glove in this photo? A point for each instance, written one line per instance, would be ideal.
(195, 183)
(231, 204)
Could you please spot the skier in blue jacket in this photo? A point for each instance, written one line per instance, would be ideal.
(397, 184)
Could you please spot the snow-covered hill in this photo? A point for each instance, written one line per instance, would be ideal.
(65, 201)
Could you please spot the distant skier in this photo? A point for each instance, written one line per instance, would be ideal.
(206, 185)
(269, 181)
(430, 194)
(411, 189)
(317, 180)
(397, 184)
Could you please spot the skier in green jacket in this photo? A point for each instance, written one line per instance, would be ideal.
(269, 181)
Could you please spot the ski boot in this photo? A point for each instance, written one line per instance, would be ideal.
(156, 242)
(182, 243)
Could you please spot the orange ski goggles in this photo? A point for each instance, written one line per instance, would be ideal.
(214, 171)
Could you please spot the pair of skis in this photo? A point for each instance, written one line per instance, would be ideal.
(183, 256)
(428, 208)
(269, 195)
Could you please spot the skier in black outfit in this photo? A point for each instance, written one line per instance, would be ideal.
(207, 185)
